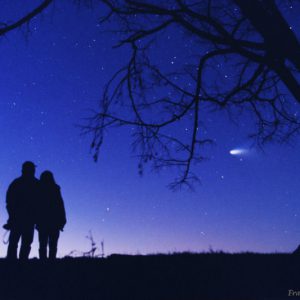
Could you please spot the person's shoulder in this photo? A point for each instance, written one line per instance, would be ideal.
(16, 181)
(35, 182)
(15, 184)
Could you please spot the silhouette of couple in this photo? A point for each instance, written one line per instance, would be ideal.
(33, 203)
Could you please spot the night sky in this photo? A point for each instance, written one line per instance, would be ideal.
(51, 79)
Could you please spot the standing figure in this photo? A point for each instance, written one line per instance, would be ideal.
(51, 216)
(21, 201)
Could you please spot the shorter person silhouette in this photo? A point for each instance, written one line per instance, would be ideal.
(51, 216)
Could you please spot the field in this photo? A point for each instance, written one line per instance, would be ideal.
(206, 276)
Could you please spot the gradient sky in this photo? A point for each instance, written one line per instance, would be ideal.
(50, 79)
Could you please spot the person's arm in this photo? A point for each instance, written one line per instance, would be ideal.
(10, 199)
(62, 211)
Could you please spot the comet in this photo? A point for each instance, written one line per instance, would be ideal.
(237, 152)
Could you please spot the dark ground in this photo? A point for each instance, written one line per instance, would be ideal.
(209, 276)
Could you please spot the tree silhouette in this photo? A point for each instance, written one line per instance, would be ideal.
(5, 27)
(250, 39)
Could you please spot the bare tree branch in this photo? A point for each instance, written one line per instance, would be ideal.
(166, 111)
(5, 28)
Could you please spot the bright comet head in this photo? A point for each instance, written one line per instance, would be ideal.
(238, 151)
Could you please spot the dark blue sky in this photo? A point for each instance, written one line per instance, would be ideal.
(51, 77)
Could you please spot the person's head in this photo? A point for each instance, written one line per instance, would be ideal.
(28, 169)
(47, 177)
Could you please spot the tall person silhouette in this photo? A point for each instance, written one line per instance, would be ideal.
(51, 215)
(21, 202)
